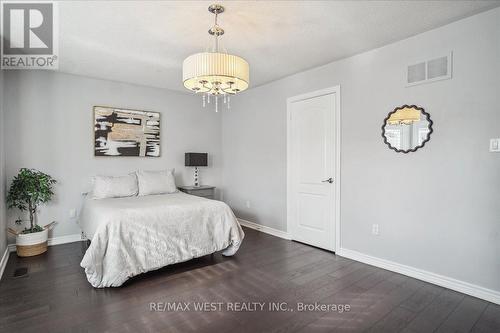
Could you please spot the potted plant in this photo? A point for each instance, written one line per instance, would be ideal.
(28, 190)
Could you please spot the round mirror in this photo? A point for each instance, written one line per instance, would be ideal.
(407, 128)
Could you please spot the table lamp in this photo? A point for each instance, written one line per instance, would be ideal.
(196, 160)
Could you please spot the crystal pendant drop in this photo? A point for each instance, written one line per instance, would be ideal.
(204, 97)
(216, 104)
(228, 102)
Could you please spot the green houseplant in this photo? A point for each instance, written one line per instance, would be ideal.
(29, 189)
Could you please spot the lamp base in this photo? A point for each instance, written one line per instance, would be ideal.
(196, 182)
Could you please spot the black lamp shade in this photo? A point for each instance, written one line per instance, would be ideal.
(196, 159)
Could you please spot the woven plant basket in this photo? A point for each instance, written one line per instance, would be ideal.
(28, 245)
(31, 250)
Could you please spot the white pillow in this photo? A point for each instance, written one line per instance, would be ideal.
(115, 187)
(156, 182)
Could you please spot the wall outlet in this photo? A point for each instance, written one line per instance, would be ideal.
(72, 213)
(247, 203)
(495, 145)
(375, 229)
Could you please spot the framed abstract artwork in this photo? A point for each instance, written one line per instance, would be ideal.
(125, 132)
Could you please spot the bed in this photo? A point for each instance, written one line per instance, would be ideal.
(133, 235)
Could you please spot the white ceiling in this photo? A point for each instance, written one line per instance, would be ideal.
(145, 42)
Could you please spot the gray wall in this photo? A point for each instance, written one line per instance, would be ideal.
(50, 128)
(3, 217)
(438, 209)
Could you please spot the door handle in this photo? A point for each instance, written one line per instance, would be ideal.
(329, 180)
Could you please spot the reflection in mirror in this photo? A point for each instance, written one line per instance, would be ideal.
(407, 128)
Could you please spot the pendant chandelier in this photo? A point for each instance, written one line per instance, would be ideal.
(216, 75)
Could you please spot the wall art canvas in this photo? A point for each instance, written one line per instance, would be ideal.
(124, 132)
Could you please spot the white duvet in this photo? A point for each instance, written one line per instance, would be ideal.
(134, 235)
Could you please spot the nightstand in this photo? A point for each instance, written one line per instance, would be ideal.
(204, 191)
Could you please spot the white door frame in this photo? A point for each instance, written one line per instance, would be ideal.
(332, 90)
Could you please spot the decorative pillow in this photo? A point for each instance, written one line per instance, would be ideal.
(156, 182)
(115, 186)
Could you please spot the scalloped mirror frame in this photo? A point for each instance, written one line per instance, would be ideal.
(427, 116)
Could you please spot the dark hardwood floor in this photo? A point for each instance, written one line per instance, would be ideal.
(56, 296)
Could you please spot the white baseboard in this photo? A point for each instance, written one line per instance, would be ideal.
(440, 280)
(264, 229)
(65, 239)
(3, 263)
(55, 241)
(11, 247)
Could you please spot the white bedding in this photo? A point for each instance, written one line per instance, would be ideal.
(134, 235)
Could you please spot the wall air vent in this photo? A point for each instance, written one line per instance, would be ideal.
(416, 73)
(429, 71)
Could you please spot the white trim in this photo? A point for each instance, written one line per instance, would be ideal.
(264, 229)
(56, 241)
(65, 239)
(338, 135)
(440, 280)
(3, 263)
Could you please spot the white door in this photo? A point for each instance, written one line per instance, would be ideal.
(311, 169)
